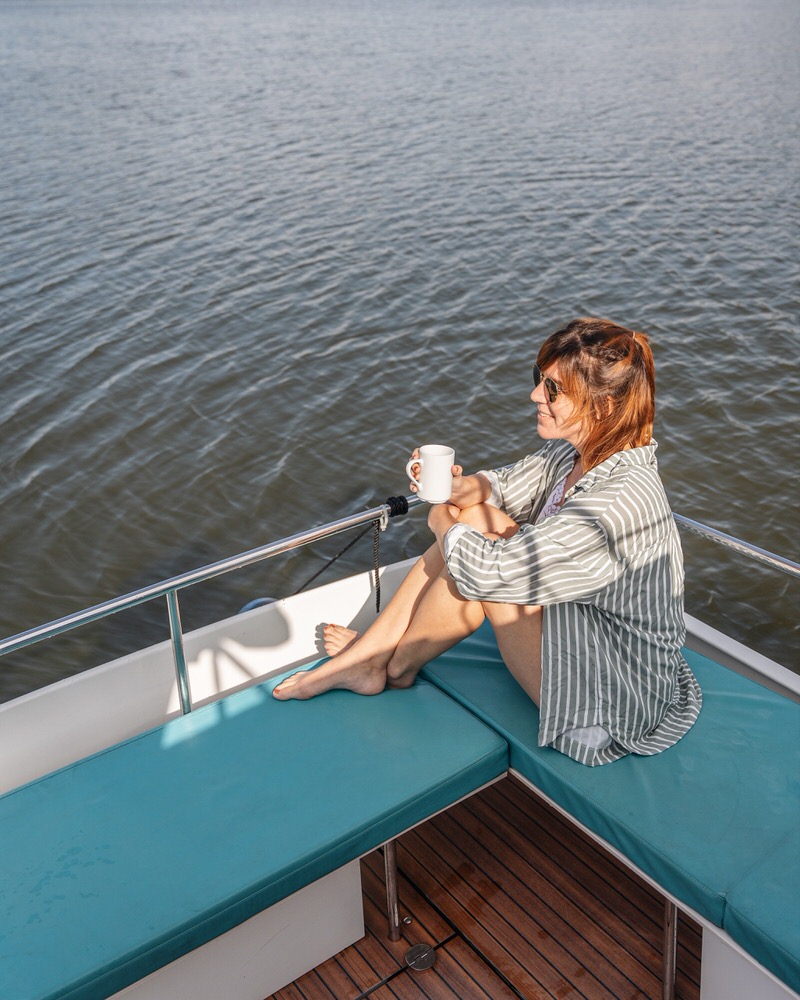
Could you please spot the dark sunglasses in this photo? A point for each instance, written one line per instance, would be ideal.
(551, 387)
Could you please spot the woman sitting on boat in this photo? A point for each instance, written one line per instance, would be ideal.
(573, 556)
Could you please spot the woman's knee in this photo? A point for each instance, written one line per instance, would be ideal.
(491, 521)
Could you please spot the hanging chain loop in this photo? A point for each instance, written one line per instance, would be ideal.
(395, 507)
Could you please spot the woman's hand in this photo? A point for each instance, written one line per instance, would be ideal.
(459, 495)
(466, 490)
(415, 469)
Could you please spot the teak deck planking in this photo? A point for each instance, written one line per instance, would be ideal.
(517, 902)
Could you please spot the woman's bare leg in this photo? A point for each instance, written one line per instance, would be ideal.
(517, 627)
(442, 619)
(445, 618)
(362, 665)
(518, 630)
(425, 617)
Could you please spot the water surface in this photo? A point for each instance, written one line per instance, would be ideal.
(253, 252)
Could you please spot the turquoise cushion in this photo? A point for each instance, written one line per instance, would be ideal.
(120, 863)
(763, 909)
(698, 817)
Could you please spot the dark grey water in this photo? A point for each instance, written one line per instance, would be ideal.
(252, 252)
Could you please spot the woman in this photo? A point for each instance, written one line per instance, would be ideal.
(573, 556)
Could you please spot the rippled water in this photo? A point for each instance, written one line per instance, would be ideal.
(253, 252)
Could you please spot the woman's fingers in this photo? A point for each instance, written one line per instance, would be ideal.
(415, 470)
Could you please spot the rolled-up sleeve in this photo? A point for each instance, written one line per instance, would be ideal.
(568, 558)
(495, 497)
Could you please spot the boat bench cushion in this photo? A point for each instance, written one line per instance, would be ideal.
(713, 820)
(120, 863)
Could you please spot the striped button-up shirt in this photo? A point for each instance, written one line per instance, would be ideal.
(608, 571)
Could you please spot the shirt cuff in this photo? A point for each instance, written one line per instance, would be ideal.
(452, 536)
(495, 499)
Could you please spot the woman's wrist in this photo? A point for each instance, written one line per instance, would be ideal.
(472, 490)
(484, 488)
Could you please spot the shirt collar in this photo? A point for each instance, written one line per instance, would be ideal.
(644, 455)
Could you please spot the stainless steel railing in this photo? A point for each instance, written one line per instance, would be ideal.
(745, 548)
(169, 588)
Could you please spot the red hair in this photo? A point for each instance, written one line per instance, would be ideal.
(608, 373)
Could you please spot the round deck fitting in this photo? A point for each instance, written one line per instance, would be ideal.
(420, 957)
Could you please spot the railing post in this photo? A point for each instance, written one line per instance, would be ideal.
(670, 955)
(392, 905)
(177, 651)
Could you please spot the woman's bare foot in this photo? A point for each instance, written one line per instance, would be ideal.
(366, 677)
(337, 638)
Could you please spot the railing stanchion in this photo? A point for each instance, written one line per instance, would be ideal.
(177, 651)
(670, 955)
(392, 904)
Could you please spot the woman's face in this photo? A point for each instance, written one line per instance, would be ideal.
(556, 419)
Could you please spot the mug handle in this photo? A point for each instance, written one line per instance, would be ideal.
(410, 474)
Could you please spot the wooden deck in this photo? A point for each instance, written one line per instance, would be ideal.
(516, 902)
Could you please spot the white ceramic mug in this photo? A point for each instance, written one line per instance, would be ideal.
(435, 483)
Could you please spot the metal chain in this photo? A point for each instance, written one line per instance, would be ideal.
(376, 562)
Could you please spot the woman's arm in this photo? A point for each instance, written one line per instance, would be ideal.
(468, 491)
